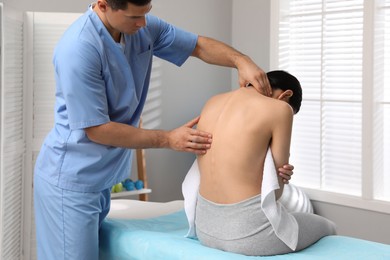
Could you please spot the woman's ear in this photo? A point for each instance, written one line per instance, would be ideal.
(285, 95)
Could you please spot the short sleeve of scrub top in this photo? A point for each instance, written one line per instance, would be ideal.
(171, 43)
(83, 88)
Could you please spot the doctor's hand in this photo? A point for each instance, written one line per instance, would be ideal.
(286, 172)
(250, 74)
(187, 139)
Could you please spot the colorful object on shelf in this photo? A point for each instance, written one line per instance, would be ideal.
(117, 187)
(139, 184)
(127, 185)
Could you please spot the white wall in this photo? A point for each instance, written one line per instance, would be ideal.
(359, 223)
(49, 6)
(251, 31)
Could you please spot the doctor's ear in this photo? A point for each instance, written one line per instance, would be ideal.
(285, 95)
(102, 5)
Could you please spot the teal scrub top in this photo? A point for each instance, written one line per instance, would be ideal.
(97, 81)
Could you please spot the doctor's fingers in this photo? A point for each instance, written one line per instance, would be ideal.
(197, 136)
(198, 149)
(200, 144)
(192, 122)
(192, 147)
(188, 139)
(262, 85)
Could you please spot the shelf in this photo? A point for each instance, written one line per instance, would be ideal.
(116, 195)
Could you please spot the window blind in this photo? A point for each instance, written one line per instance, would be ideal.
(321, 42)
(340, 51)
(12, 149)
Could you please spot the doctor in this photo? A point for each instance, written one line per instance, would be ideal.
(102, 69)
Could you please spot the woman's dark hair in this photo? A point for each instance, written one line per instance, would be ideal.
(280, 79)
(122, 4)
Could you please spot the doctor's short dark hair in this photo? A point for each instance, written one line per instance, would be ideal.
(280, 79)
(122, 4)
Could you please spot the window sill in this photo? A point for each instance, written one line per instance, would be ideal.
(348, 200)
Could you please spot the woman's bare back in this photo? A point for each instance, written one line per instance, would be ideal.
(242, 128)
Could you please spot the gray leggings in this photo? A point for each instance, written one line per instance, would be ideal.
(243, 228)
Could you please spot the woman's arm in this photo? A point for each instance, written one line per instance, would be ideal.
(281, 139)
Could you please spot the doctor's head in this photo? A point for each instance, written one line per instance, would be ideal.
(286, 87)
(122, 4)
(123, 16)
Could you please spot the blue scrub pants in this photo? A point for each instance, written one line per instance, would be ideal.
(68, 222)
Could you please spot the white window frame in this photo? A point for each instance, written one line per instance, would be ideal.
(366, 200)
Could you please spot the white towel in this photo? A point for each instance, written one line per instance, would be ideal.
(190, 187)
(283, 223)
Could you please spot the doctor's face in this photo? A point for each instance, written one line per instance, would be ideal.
(127, 21)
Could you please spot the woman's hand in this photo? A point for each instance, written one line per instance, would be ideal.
(286, 172)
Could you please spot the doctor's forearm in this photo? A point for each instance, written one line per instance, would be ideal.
(122, 135)
(183, 138)
(218, 53)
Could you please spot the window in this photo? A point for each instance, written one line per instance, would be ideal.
(340, 51)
